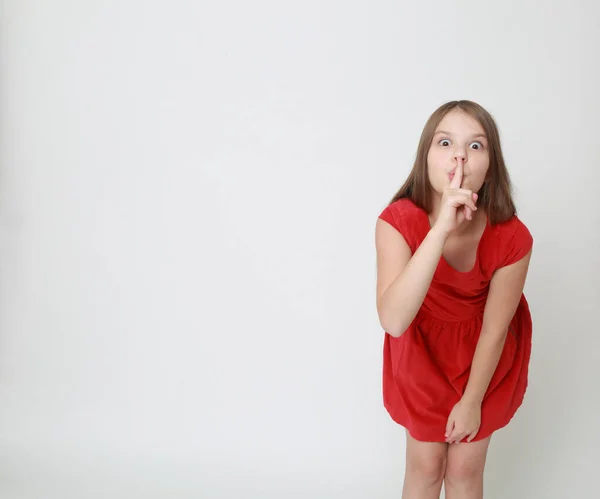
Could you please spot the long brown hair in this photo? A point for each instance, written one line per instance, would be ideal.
(495, 195)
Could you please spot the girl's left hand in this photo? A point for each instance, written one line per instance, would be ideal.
(464, 421)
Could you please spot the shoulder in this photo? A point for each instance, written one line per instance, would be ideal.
(513, 229)
(407, 218)
(401, 212)
(512, 240)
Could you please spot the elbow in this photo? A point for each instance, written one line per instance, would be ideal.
(393, 334)
(396, 333)
(394, 328)
(394, 320)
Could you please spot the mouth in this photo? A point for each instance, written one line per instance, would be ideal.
(451, 176)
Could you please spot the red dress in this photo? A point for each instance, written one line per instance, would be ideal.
(425, 371)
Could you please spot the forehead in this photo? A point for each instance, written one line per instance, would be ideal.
(458, 122)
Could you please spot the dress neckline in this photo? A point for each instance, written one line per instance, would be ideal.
(444, 261)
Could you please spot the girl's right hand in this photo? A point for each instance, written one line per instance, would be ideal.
(457, 204)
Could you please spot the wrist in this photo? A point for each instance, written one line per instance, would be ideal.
(472, 399)
(439, 232)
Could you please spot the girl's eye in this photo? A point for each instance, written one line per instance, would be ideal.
(478, 144)
(444, 142)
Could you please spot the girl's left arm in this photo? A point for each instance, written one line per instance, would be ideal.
(506, 288)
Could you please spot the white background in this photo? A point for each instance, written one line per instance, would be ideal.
(188, 196)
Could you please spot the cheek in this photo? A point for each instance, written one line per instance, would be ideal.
(479, 174)
(435, 163)
(479, 166)
(433, 156)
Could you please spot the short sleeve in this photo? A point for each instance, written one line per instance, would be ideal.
(519, 244)
(390, 215)
(407, 219)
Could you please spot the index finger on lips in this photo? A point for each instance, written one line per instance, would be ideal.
(456, 181)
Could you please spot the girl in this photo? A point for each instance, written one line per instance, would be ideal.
(452, 259)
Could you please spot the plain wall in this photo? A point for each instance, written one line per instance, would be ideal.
(188, 196)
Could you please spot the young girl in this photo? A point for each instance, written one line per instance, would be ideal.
(452, 259)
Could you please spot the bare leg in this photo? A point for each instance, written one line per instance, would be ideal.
(464, 470)
(425, 467)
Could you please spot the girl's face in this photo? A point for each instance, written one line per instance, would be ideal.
(458, 137)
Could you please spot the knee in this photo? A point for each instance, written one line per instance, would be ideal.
(463, 471)
(429, 471)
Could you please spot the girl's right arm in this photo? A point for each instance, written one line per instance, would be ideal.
(403, 279)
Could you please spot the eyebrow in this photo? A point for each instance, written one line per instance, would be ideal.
(444, 132)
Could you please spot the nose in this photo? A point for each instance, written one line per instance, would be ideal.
(460, 154)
